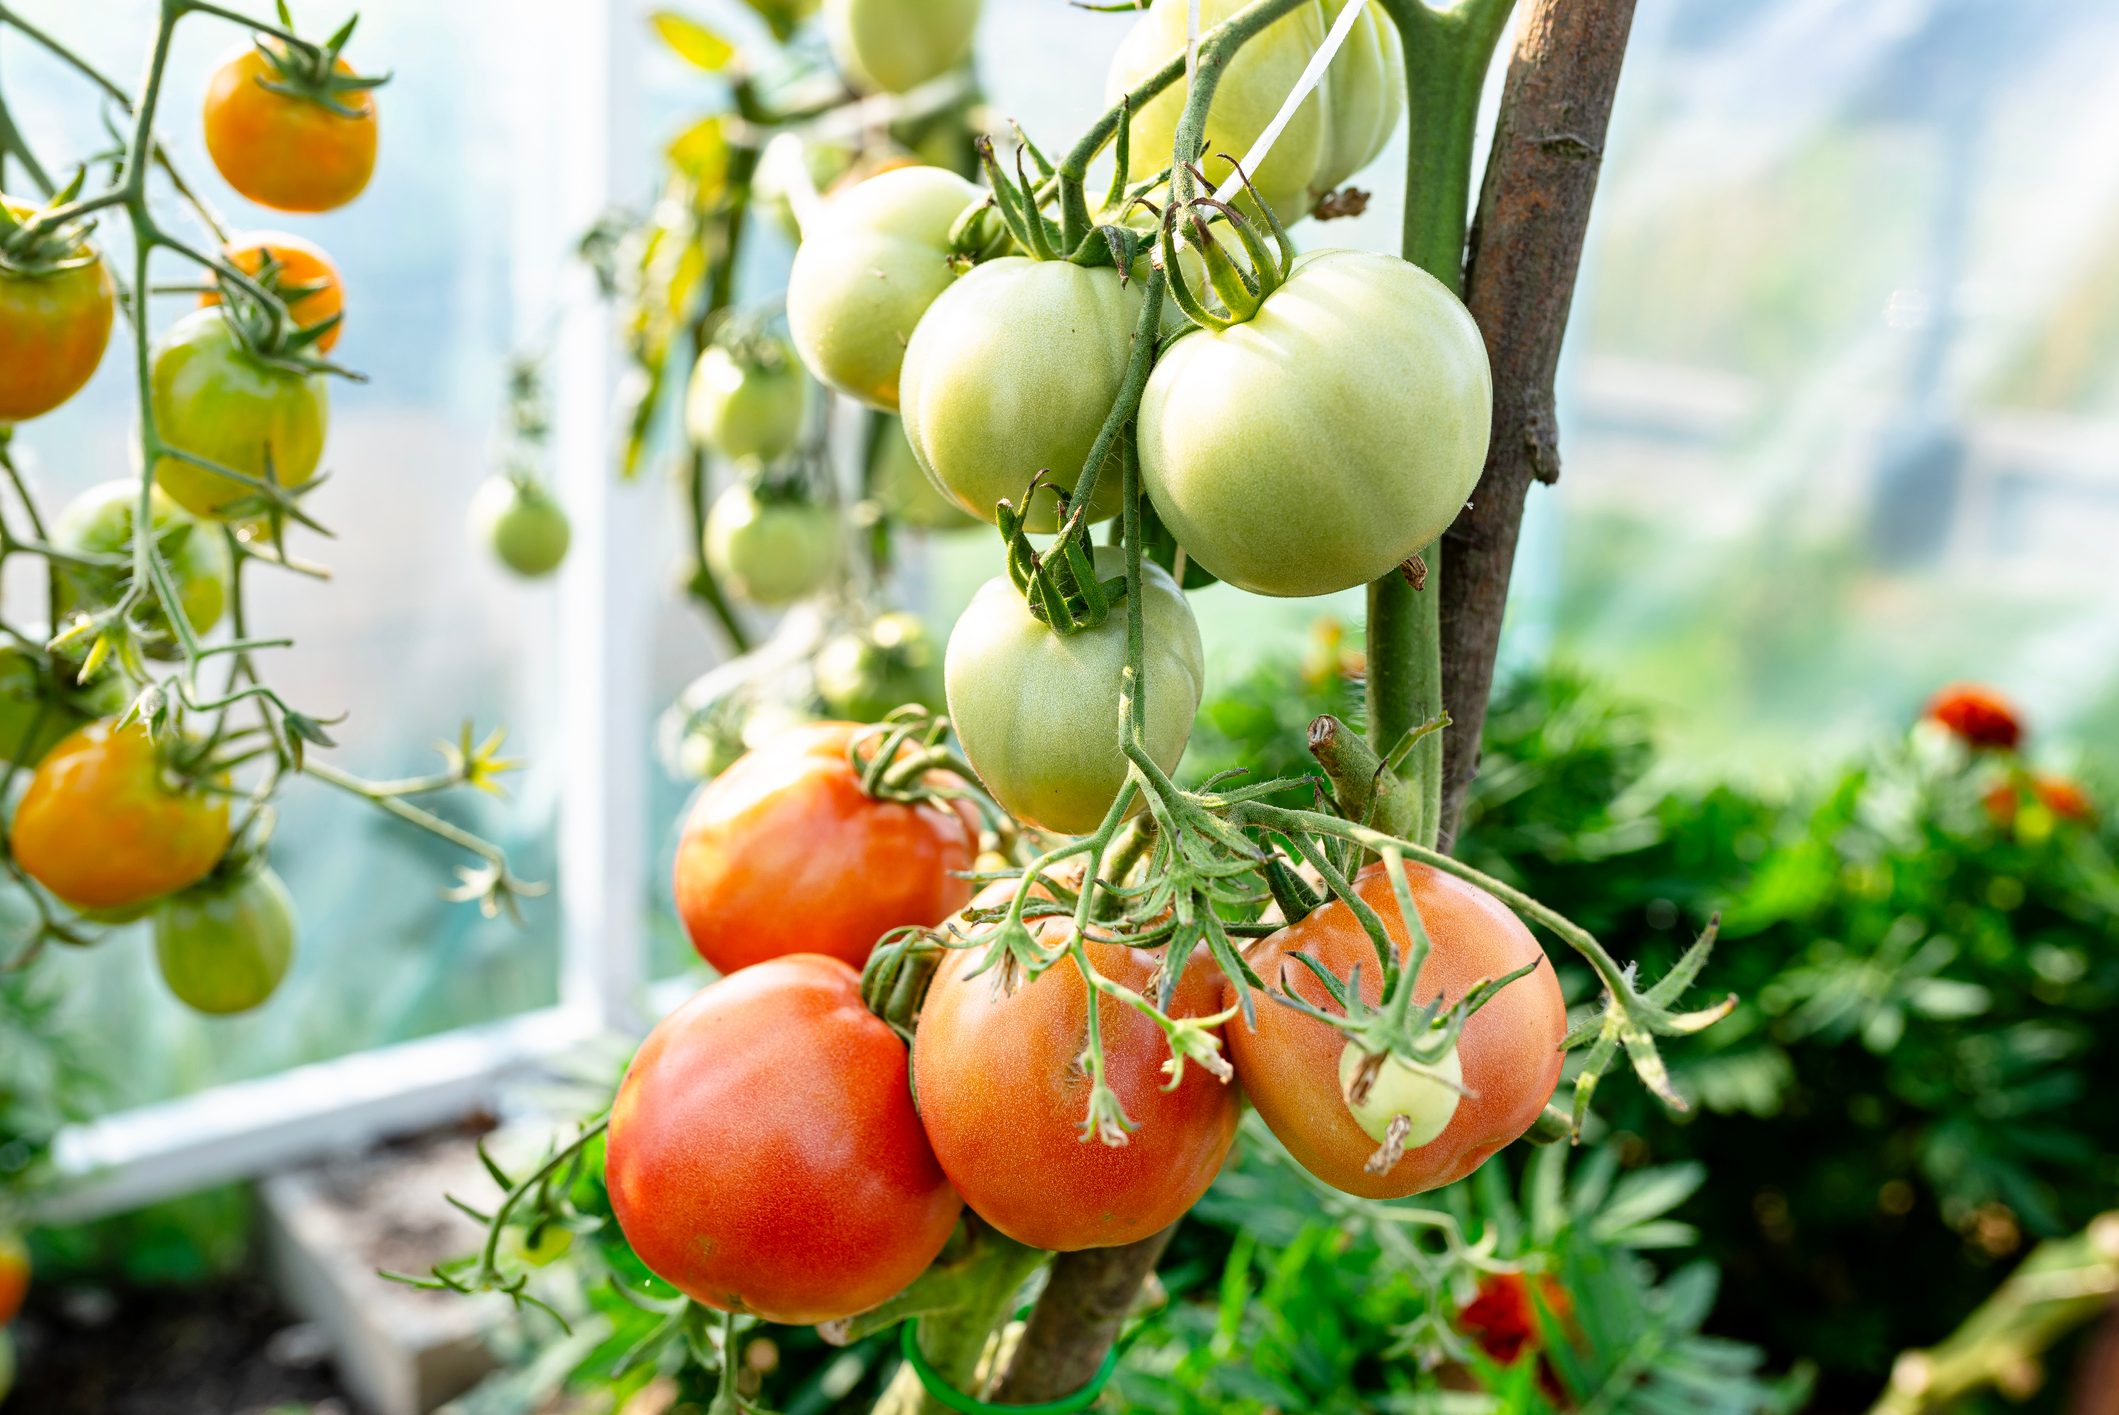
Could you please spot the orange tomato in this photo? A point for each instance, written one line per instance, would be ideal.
(1510, 1048)
(53, 329)
(784, 853)
(100, 829)
(1003, 1095)
(1977, 715)
(14, 1275)
(300, 263)
(290, 153)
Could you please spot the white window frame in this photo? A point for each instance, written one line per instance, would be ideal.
(240, 1131)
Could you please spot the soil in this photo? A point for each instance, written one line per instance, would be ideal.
(227, 1348)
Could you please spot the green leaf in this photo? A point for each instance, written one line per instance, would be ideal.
(691, 41)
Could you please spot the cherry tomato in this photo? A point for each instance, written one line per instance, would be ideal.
(1062, 333)
(894, 661)
(764, 1155)
(1500, 1316)
(770, 551)
(299, 264)
(784, 853)
(1323, 442)
(224, 944)
(1978, 716)
(747, 402)
(54, 326)
(1038, 714)
(99, 522)
(216, 399)
(1003, 1095)
(1509, 1051)
(541, 1248)
(890, 46)
(869, 266)
(14, 1275)
(903, 489)
(283, 151)
(101, 829)
(523, 525)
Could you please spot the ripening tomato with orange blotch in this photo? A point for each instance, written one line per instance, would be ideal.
(310, 149)
(56, 309)
(106, 825)
(1004, 1096)
(1509, 1052)
(297, 265)
(14, 1276)
(784, 852)
(1978, 716)
(764, 1155)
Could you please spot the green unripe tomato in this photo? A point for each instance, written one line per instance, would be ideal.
(224, 945)
(1364, 96)
(890, 46)
(215, 399)
(1399, 1089)
(894, 661)
(38, 708)
(747, 402)
(548, 1246)
(1012, 371)
(907, 494)
(1038, 714)
(770, 552)
(876, 258)
(1329, 438)
(99, 522)
(523, 525)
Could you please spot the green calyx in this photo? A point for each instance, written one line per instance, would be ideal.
(310, 72)
(33, 245)
(1018, 202)
(1231, 292)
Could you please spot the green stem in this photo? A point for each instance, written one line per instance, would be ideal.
(1447, 53)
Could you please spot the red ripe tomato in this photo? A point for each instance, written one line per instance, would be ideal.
(1002, 1094)
(764, 1155)
(14, 1275)
(785, 853)
(1501, 1319)
(1978, 715)
(1510, 1049)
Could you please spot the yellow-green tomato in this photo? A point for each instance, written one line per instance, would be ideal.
(1013, 371)
(224, 945)
(1400, 1088)
(770, 552)
(747, 402)
(874, 260)
(1250, 93)
(99, 522)
(894, 661)
(216, 399)
(907, 494)
(1329, 438)
(1364, 96)
(539, 1247)
(1038, 714)
(523, 524)
(890, 46)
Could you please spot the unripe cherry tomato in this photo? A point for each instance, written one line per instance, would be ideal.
(100, 829)
(284, 151)
(99, 522)
(54, 326)
(216, 399)
(747, 404)
(1509, 1051)
(300, 263)
(225, 944)
(770, 552)
(864, 675)
(1003, 1095)
(764, 1155)
(40, 703)
(523, 524)
(784, 853)
(890, 46)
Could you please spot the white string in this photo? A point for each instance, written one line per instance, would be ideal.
(1312, 75)
(783, 156)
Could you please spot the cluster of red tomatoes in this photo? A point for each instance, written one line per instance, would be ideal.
(112, 823)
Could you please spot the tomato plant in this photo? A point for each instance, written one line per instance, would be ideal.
(56, 308)
(902, 488)
(890, 46)
(1062, 333)
(1038, 713)
(763, 1153)
(101, 828)
(773, 548)
(785, 852)
(1304, 485)
(224, 944)
(522, 523)
(298, 271)
(865, 674)
(98, 524)
(1003, 1097)
(866, 271)
(291, 129)
(41, 704)
(1509, 1052)
(216, 399)
(747, 400)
